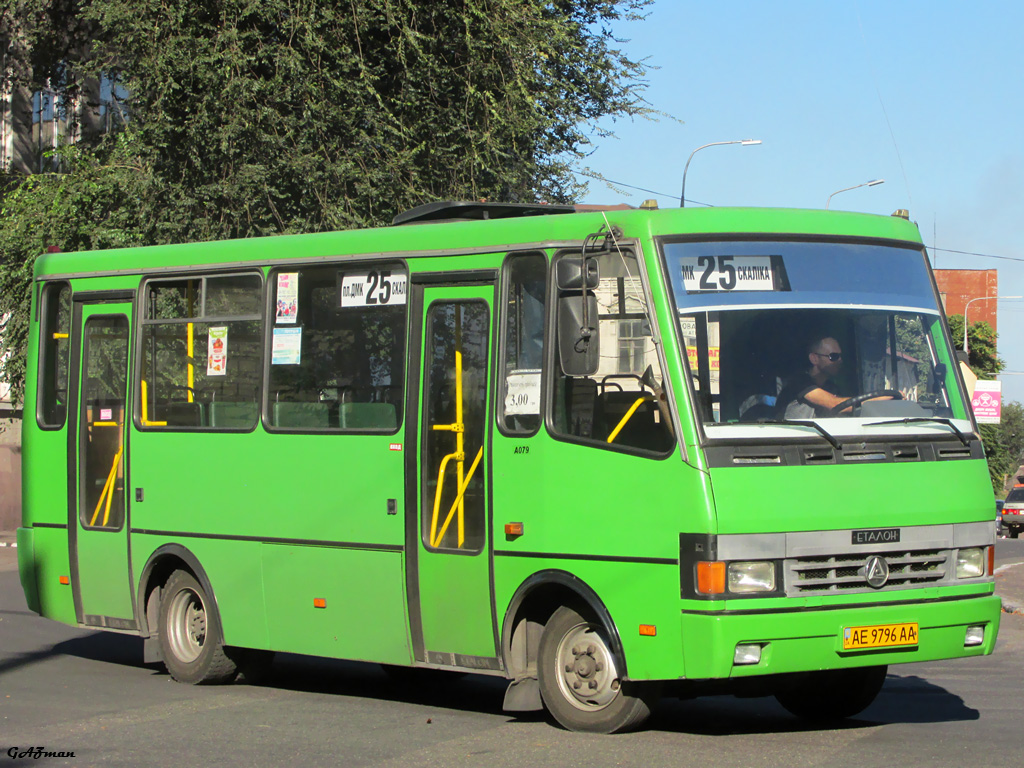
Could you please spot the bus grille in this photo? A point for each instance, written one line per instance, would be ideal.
(845, 573)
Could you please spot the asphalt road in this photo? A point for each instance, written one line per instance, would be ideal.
(72, 690)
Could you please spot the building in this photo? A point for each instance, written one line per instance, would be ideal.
(959, 286)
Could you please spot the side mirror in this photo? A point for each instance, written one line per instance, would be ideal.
(579, 347)
(569, 274)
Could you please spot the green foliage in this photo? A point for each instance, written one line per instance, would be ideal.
(1003, 442)
(983, 357)
(1004, 445)
(89, 207)
(256, 117)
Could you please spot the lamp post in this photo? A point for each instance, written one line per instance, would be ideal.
(874, 183)
(980, 298)
(744, 142)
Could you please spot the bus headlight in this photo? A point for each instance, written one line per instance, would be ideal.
(970, 563)
(754, 576)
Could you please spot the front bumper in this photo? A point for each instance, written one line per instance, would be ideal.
(810, 639)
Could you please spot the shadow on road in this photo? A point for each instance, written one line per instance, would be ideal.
(98, 646)
(904, 699)
(434, 688)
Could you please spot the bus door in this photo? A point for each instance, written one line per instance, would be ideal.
(97, 523)
(451, 601)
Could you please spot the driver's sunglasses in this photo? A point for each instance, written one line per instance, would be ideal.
(832, 356)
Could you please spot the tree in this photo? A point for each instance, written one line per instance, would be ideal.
(255, 117)
(89, 207)
(1004, 446)
(983, 357)
(1002, 441)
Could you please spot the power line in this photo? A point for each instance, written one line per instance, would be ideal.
(934, 249)
(980, 255)
(642, 189)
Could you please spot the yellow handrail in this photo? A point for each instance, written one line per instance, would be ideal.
(190, 375)
(108, 491)
(456, 503)
(145, 408)
(624, 419)
(437, 496)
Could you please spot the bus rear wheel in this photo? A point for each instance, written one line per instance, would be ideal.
(833, 694)
(190, 639)
(580, 683)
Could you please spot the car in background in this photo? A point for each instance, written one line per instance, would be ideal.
(1000, 528)
(1013, 511)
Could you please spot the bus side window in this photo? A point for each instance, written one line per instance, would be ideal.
(201, 352)
(54, 355)
(522, 342)
(616, 407)
(337, 358)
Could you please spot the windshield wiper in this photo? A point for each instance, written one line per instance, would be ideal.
(935, 419)
(805, 423)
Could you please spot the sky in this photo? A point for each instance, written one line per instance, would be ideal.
(926, 95)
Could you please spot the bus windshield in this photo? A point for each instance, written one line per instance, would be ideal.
(845, 333)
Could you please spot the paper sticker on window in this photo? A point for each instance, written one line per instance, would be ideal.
(106, 414)
(217, 351)
(732, 273)
(286, 348)
(522, 393)
(376, 288)
(287, 297)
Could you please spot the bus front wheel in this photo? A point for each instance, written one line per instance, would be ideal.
(190, 640)
(833, 694)
(580, 683)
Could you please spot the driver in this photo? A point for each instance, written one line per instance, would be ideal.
(810, 393)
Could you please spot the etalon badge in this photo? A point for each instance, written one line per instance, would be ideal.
(876, 571)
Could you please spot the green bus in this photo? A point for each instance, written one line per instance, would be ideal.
(550, 445)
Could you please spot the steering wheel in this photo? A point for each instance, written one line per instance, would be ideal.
(853, 402)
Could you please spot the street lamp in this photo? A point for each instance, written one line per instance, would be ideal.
(744, 142)
(980, 298)
(874, 183)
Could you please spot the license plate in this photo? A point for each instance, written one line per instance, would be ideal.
(879, 636)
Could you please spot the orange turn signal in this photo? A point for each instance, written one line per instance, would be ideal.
(648, 630)
(65, 580)
(513, 529)
(711, 577)
(319, 602)
(991, 561)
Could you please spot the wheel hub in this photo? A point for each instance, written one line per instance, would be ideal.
(588, 678)
(197, 624)
(187, 625)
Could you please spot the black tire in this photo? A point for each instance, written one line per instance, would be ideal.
(579, 680)
(1014, 532)
(190, 637)
(833, 694)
